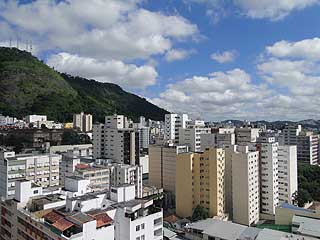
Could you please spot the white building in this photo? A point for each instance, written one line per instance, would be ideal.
(87, 216)
(245, 185)
(191, 135)
(172, 123)
(83, 122)
(113, 140)
(35, 118)
(288, 173)
(269, 182)
(42, 170)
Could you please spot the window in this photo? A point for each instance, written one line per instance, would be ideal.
(137, 228)
(142, 227)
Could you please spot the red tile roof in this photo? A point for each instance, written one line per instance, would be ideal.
(82, 166)
(171, 219)
(62, 224)
(102, 219)
(52, 217)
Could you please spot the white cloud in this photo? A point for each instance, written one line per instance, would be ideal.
(99, 29)
(258, 9)
(218, 95)
(272, 9)
(224, 57)
(308, 48)
(178, 54)
(127, 75)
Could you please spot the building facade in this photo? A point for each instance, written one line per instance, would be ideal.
(200, 181)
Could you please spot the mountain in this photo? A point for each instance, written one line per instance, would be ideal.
(28, 86)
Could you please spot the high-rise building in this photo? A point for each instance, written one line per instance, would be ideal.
(288, 176)
(40, 169)
(245, 185)
(162, 165)
(269, 182)
(83, 122)
(307, 143)
(246, 135)
(191, 135)
(220, 137)
(200, 181)
(172, 123)
(113, 140)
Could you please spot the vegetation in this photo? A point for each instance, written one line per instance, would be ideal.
(73, 138)
(28, 86)
(309, 184)
(200, 213)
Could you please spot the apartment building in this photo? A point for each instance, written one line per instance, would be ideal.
(220, 137)
(113, 140)
(307, 143)
(288, 173)
(99, 176)
(245, 185)
(162, 165)
(191, 135)
(246, 135)
(200, 181)
(83, 122)
(40, 169)
(33, 215)
(269, 179)
(172, 123)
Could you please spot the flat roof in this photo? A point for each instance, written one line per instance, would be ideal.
(308, 226)
(292, 207)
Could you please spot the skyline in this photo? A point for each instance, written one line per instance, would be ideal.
(242, 60)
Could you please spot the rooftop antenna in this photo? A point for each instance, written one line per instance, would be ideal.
(18, 41)
(30, 46)
(27, 46)
(10, 42)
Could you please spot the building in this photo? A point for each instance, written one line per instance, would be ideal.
(269, 182)
(172, 123)
(288, 173)
(245, 185)
(41, 169)
(191, 135)
(285, 213)
(307, 148)
(83, 122)
(246, 135)
(34, 215)
(162, 165)
(200, 181)
(113, 140)
(218, 138)
(307, 143)
(35, 118)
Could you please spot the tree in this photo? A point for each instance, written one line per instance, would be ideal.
(301, 197)
(73, 138)
(200, 213)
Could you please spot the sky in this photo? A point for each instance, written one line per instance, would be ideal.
(213, 59)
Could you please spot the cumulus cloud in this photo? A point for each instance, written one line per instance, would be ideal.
(178, 54)
(259, 9)
(272, 9)
(308, 48)
(114, 29)
(128, 75)
(104, 33)
(224, 57)
(218, 95)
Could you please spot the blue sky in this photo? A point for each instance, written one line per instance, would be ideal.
(214, 59)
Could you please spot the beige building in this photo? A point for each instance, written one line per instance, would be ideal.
(200, 181)
(162, 166)
(245, 185)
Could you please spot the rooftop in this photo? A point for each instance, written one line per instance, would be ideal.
(292, 207)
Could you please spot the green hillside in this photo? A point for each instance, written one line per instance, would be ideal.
(28, 86)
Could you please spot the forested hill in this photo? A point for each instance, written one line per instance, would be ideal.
(28, 86)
